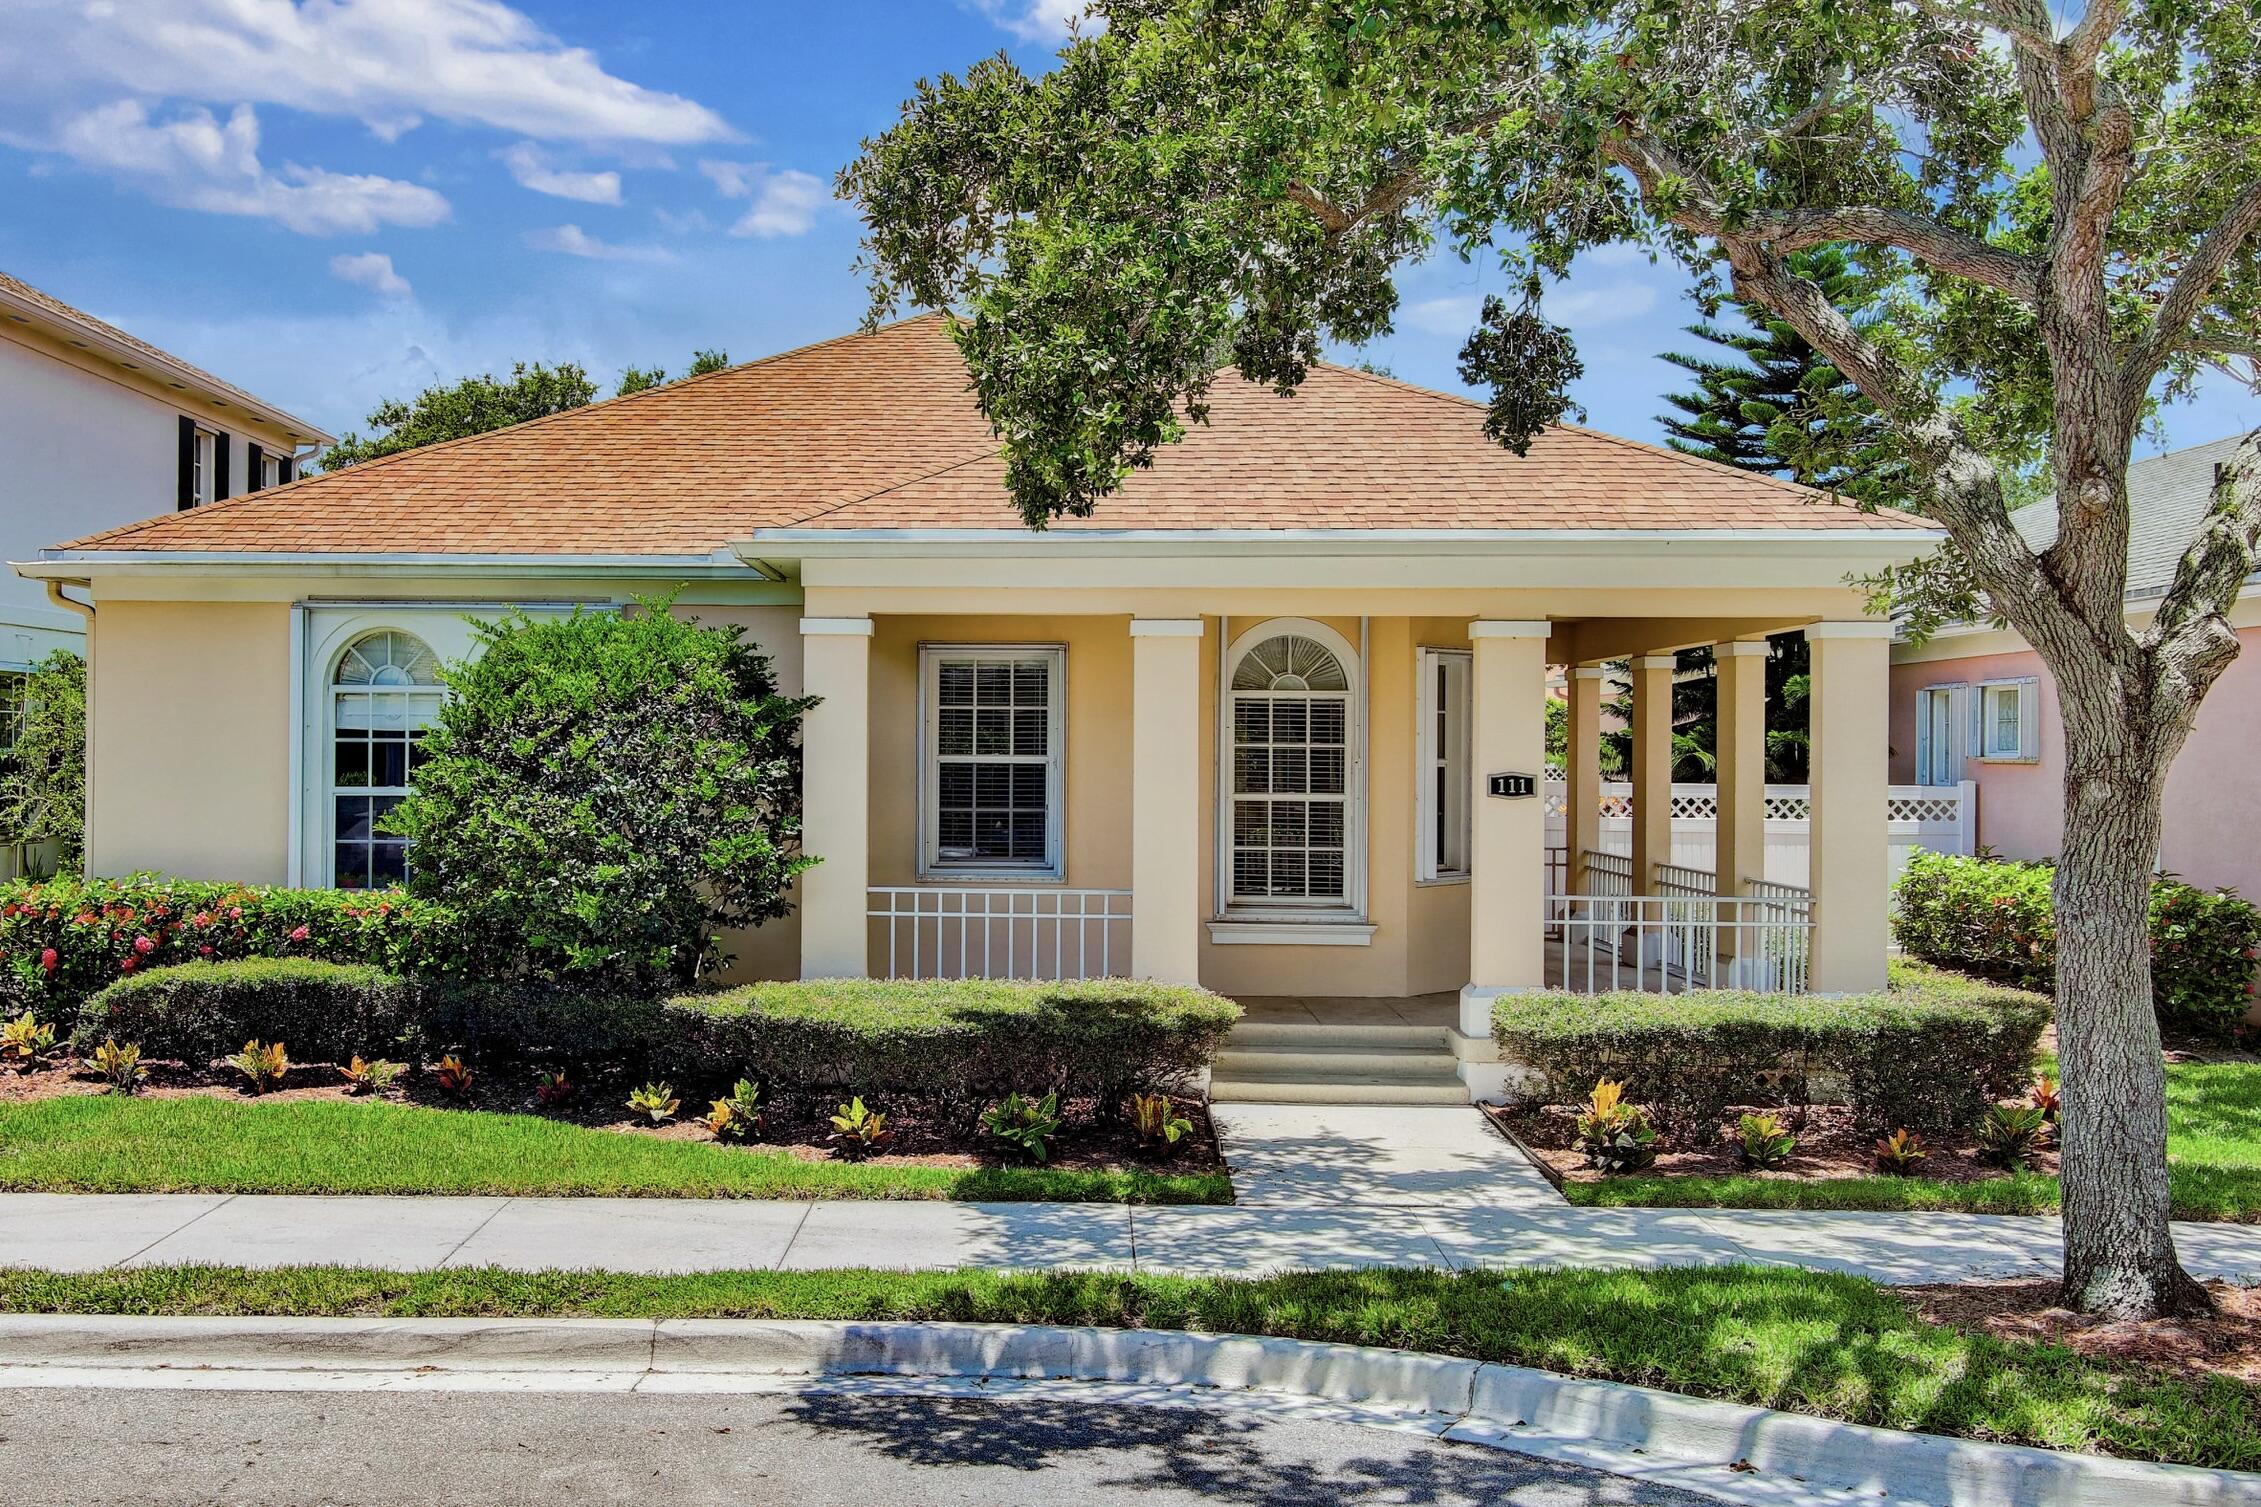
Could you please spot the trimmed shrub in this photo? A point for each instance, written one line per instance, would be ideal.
(1997, 919)
(543, 1023)
(1930, 1053)
(63, 939)
(324, 1012)
(956, 1043)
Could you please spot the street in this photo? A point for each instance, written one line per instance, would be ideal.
(859, 1446)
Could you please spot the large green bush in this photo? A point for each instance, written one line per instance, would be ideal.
(63, 939)
(43, 772)
(324, 1012)
(1997, 919)
(604, 793)
(957, 1043)
(1930, 1053)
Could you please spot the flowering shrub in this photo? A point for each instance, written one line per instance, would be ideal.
(1997, 919)
(61, 940)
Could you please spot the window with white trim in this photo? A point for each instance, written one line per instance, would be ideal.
(1939, 734)
(271, 470)
(203, 470)
(1291, 750)
(384, 692)
(2008, 715)
(1441, 809)
(994, 775)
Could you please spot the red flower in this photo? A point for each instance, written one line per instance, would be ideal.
(125, 964)
(48, 958)
(299, 933)
(206, 949)
(144, 946)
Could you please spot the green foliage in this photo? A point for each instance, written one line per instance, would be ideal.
(1157, 1123)
(859, 1131)
(370, 1076)
(120, 1066)
(194, 1011)
(43, 772)
(1615, 1133)
(2009, 1134)
(1997, 919)
(1901, 1153)
(737, 1114)
(957, 1043)
(602, 794)
(1929, 1053)
(1026, 1125)
(656, 1102)
(1764, 1142)
(640, 379)
(264, 1066)
(25, 1039)
(474, 405)
(64, 939)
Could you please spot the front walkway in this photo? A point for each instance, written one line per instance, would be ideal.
(91, 1232)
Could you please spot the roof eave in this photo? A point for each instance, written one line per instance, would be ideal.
(1888, 543)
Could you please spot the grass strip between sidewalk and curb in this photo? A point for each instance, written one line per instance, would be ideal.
(1832, 1346)
(205, 1144)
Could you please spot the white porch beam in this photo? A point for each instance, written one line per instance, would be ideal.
(1850, 703)
(1506, 949)
(1652, 768)
(835, 796)
(1166, 799)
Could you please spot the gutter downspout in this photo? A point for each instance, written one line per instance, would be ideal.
(84, 609)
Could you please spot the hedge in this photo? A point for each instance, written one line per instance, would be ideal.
(1929, 1053)
(61, 940)
(195, 1012)
(1997, 919)
(957, 1043)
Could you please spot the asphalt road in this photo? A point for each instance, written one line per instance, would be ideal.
(464, 1449)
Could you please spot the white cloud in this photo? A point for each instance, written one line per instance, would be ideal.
(532, 168)
(386, 63)
(195, 161)
(1443, 316)
(1573, 306)
(1035, 20)
(372, 270)
(733, 180)
(572, 240)
(785, 203)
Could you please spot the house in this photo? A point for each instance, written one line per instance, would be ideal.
(98, 428)
(1273, 721)
(1975, 704)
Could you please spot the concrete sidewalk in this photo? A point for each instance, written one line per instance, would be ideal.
(94, 1232)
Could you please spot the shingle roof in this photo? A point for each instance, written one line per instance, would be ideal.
(64, 315)
(879, 431)
(2167, 497)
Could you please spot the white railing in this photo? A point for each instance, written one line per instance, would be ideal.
(928, 931)
(1671, 944)
(1607, 873)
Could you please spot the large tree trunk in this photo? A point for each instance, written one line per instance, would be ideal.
(2119, 1254)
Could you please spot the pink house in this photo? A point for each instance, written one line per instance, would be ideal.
(1976, 704)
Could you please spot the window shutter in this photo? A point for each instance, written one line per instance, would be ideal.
(285, 467)
(254, 467)
(1923, 736)
(2029, 718)
(220, 466)
(1958, 717)
(184, 496)
(1977, 744)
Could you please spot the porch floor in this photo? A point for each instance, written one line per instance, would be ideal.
(1443, 1009)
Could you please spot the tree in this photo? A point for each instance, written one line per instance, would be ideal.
(471, 406)
(603, 793)
(43, 773)
(2062, 221)
(637, 378)
(1782, 408)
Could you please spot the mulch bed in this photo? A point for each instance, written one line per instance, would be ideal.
(797, 1123)
(2226, 1342)
(1829, 1146)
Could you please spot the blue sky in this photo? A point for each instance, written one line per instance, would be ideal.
(331, 202)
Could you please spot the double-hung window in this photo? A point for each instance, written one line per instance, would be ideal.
(1291, 752)
(1441, 810)
(203, 468)
(384, 693)
(993, 775)
(2009, 716)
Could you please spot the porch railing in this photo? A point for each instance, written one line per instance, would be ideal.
(931, 931)
(1682, 935)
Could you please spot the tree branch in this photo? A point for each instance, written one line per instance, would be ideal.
(2192, 625)
(2018, 29)
(2084, 44)
(2186, 295)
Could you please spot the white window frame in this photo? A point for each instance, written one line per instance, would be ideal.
(270, 469)
(1352, 907)
(1928, 757)
(1442, 748)
(2027, 689)
(203, 473)
(932, 867)
(334, 695)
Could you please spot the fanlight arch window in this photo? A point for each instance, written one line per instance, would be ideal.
(1292, 748)
(384, 692)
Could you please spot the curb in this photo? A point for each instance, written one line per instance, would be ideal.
(1509, 1407)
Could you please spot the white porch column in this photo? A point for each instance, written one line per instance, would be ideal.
(1166, 799)
(1506, 892)
(1582, 774)
(1850, 851)
(835, 796)
(1652, 768)
(1739, 829)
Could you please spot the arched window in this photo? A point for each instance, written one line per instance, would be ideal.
(1291, 817)
(384, 692)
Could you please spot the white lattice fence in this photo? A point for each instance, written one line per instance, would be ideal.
(1932, 818)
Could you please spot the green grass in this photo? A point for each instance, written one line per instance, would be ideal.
(104, 1144)
(1812, 1342)
(2213, 1171)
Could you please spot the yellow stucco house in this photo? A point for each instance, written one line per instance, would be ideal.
(1273, 721)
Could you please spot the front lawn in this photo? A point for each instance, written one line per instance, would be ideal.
(1812, 1342)
(88, 1143)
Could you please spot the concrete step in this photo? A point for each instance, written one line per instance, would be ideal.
(1253, 1036)
(1385, 1063)
(1318, 1088)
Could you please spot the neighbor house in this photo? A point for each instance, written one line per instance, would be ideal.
(1273, 721)
(1975, 704)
